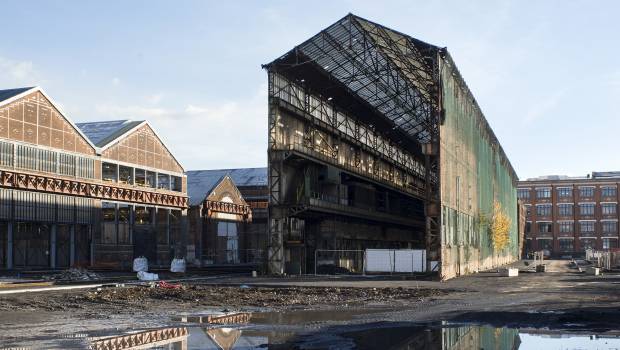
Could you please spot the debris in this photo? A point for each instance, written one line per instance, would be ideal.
(166, 285)
(147, 276)
(74, 274)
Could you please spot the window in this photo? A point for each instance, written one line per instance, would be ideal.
(108, 224)
(566, 245)
(564, 192)
(608, 191)
(528, 227)
(150, 179)
(608, 208)
(26, 157)
(143, 216)
(586, 209)
(83, 210)
(108, 171)
(65, 208)
(610, 243)
(545, 244)
(6, 154)
(588, 243)
(47, 161)
(544, 227)
(543, 210)
(124, 212)
(586, 226)
(66, 164)
(609, 226)
(125, 175)
(227, 239)
(140, 177)
(565, 209)
(523, 193)
(586, 192)
(85, 168)
(177, 183)
(542, 193)
(565, 226)
(163, 181)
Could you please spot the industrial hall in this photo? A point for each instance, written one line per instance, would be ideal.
(93, 194)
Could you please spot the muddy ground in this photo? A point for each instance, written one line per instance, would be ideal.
(134, 299)
(560, 299)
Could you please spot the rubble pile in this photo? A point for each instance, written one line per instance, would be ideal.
(74, 274)
(258, 296)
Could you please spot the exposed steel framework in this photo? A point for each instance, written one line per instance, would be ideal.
(390, 83)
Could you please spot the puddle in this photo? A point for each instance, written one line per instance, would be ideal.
(320, 329)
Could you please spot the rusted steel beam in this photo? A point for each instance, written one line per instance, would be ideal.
(84, 188)
(211, 207)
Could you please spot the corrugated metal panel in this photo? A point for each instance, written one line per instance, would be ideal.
(474, 175)
(103, 132)
(8, 93)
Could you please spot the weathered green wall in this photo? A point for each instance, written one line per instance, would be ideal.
(474, 173)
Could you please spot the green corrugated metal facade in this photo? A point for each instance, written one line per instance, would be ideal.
(475, 173)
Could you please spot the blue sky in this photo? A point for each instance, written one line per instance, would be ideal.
(545, 73)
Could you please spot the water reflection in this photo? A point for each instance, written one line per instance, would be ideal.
(285, 335)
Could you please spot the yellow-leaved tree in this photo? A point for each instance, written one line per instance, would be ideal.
(500, 227)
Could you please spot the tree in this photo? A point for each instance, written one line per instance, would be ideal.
(500, 227)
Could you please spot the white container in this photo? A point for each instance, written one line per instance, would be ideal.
(595, 271)
(177, 265)
(140, 264)
(509, 272)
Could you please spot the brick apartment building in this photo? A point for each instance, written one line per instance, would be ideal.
(567, 215)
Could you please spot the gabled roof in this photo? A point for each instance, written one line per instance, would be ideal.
(200, 183)
(107, 133)
(104, 132)
(10, 95)
(396, 76)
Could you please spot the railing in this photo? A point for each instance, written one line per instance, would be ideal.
(235, 256)
(413, 190)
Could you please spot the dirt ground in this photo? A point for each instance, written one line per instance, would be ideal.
(560, 299)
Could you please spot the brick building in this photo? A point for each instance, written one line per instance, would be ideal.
(91, 194)
(567, 215)
(227, 216)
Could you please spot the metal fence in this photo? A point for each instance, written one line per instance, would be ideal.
(606, 259)
(235, 256)
(376, 261)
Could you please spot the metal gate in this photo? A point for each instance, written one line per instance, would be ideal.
(63, 246)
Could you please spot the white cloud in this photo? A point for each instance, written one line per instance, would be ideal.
(18, 73)
(203, 135)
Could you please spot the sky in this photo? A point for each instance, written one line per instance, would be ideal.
(545, 73)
